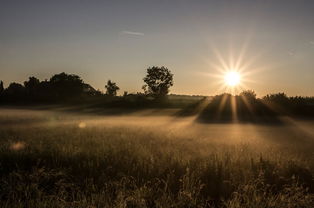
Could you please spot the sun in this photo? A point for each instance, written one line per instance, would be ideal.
(232, 78)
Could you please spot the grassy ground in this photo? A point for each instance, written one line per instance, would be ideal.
(50, 159)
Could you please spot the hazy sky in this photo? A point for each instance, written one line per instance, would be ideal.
(118, 40)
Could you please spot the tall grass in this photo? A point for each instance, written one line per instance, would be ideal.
(65, 164)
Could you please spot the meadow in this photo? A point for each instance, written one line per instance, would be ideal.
(152, 158)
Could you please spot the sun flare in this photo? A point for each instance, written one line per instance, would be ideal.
(232, 78)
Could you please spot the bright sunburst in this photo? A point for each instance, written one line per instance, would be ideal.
(232, 78)
(233, 69)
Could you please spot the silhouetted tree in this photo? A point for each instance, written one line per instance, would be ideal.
(31, 87)
(111, 88)
(66, 86)
(44, 92)
(15, 89)
(89, 90)
(278, 103)
(158, 81)
(14, 93)
(32, 83)
(279, 98)
(248, 95)
(1, 87)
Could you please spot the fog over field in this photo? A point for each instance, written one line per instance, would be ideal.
(163, 121)
(152, 158)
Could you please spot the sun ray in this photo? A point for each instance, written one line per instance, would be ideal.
(221, 60)
(222, 104)
(247, 104)
(234, 109)
(235, 59)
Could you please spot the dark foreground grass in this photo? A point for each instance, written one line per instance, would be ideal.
(68, 163)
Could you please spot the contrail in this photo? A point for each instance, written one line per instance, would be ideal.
(133, 33)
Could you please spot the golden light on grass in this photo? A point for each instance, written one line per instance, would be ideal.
(82, 125)
(16, 146)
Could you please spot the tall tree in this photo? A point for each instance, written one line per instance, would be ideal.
(111, 88)
(1, 87)
(158, 81)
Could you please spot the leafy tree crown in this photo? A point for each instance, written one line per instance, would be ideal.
(158, 81)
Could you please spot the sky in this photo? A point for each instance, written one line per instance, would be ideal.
(271, 43)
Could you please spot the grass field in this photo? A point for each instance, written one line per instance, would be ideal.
(152, 159)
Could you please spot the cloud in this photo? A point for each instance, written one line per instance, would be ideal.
(133, 33)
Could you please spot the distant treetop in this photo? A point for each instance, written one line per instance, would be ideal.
(111, 88)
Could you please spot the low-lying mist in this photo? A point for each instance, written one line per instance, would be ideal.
(152, 158)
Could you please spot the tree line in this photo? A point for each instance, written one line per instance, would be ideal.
(65, 87)
(246, 106)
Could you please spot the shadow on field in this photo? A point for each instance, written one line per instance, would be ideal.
(225, 111)
(98, 109)
(95, 110)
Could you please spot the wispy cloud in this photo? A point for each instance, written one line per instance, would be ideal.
(132, 33)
